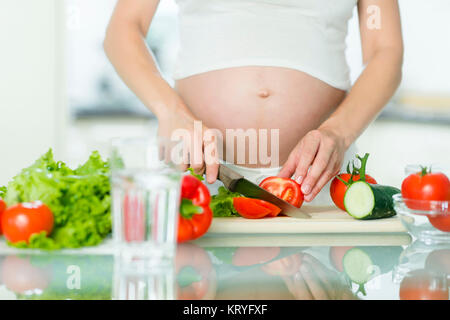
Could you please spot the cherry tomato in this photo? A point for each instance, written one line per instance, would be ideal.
(2, 209)
(254, 208)
(284, 188)
(338, 188)
(24, 219)
(423, 285)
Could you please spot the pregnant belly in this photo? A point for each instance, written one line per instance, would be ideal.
(254, 98)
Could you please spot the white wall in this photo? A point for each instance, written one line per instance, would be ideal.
(31, 82)
(426, 36)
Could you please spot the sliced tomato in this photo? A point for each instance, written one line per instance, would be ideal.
(255, 208)
(284, 188)
(338, 188)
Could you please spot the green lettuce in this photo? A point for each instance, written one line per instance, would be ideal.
(79, 200)
(222, 203)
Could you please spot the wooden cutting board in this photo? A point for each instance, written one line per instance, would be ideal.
(304, 240)
(323, 220)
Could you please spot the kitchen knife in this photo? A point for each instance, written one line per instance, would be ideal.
(235, 182)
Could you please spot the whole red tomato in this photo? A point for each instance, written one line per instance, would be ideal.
(2, 209)
(338, 188)
(24, 219)
(284, 188)
(426, 187)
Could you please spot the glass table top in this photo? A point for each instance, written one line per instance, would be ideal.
(357, 266)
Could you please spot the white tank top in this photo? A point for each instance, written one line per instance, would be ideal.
(305, 35)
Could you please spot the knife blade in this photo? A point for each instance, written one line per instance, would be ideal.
(235, 182)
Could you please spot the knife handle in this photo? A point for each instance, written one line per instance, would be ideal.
(228, 176)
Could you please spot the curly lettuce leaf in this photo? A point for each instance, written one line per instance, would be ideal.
(2, 192)
(79, 200)
(222, 203)
(198, 176)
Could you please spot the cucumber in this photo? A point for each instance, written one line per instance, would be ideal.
(366, 201)
(361, 264)
(385, 257)
(357, 265)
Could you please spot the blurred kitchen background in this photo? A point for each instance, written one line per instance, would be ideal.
(57, 88)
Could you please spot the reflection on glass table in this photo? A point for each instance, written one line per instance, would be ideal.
(263, 267)
(423, 272)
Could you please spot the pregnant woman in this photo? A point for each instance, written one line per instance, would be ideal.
(266, 64)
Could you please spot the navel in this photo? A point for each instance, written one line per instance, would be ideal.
(264, 93)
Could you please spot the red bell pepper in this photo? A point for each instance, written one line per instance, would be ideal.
(2, 209)
(195, 214)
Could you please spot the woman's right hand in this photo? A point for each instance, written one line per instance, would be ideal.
(200, 151)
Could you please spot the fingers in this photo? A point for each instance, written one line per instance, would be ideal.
(330, 171)
(318, 166)
(203, 157)
(318, 291)
(211, 157)
(314, 162)
(325, 276)
(307, 152)
(289, 167)
(212, 171)
(297, 286)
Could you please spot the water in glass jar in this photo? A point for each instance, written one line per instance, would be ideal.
(145, 209)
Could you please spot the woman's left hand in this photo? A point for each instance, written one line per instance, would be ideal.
(323, 150)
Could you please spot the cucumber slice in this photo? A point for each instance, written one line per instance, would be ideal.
(359, 200)
(357, 265)
(369, 201)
